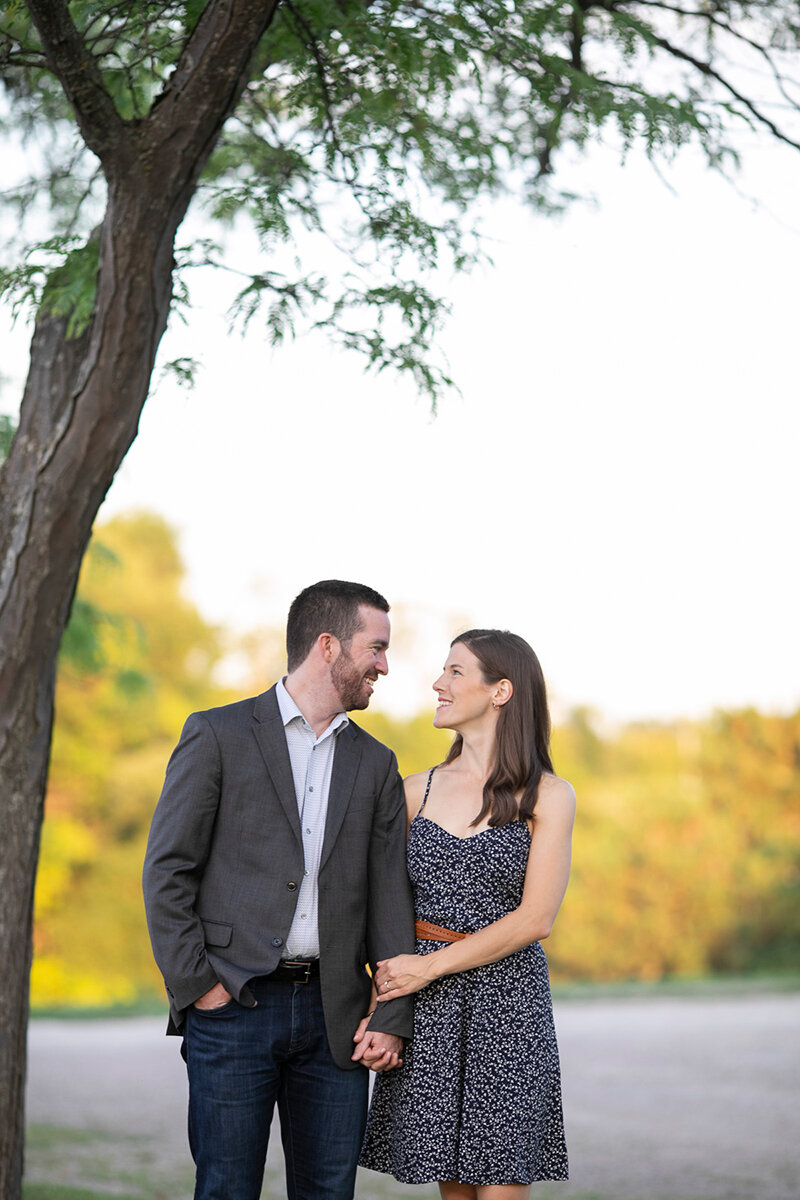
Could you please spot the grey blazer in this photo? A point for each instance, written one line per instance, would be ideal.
(225, 858)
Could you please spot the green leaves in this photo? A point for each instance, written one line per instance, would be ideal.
(282, 302)
(7, 431)
(182, 370)
(69, 290)
(57, 276)
(382, 126)
(399, 323)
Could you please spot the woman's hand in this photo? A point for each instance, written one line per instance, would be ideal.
(402, 975)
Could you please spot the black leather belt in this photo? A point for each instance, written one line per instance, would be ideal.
(292, 970)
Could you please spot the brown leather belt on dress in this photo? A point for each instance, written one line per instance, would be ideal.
(437, 933)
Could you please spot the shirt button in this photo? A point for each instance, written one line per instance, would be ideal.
(292, 887)
(305, 872)
(303, 916)
(277, 941)
(308, 831)
(311, 789)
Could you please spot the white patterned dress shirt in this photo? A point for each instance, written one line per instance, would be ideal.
(312, 762)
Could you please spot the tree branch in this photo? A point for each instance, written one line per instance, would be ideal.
(711, 19)
(550, 133)
(21, 58)
(79, 74)
(706, 69)
(302, 24)
(208, 80)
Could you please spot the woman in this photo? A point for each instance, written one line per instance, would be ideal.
(476, 1105)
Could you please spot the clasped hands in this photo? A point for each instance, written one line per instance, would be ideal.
(376, 1050)
(398, 976)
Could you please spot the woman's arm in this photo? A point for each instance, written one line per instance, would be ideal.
(546, 879)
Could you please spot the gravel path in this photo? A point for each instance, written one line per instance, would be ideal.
(665, 1099)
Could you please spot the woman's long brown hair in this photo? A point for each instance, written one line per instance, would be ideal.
(522, 748)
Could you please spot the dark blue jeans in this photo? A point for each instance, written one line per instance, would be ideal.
(240, 1061)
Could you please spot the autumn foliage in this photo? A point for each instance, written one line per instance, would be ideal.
(687, 846)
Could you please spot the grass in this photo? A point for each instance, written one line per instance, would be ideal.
(46, 1137)
(148, 1006)
(56, 1191)
(711, 987)
(63, 1163)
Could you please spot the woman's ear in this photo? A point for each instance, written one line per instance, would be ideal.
(503, 691)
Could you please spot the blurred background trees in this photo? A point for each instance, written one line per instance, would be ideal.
(136, 659)
(687, 846)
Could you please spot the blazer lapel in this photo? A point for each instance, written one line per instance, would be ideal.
(346, 758)
(271, 738)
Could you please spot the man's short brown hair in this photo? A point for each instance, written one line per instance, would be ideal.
(330, 606)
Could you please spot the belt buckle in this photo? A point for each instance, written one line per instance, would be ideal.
(305, 966)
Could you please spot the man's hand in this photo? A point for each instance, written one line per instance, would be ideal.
(378, 1051)
(214, 998)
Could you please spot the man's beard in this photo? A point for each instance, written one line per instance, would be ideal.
(349, 683)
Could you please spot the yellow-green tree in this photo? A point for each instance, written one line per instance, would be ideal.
(138, 658)
(687, 848)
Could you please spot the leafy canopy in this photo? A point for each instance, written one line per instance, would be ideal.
(375, 128)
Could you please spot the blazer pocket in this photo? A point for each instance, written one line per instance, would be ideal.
(216, 933)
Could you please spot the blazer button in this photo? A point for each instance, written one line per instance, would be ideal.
(277, 941)
(292, 887)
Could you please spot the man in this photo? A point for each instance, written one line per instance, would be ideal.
(274, 872)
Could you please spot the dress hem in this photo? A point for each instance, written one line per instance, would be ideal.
(472, 1182)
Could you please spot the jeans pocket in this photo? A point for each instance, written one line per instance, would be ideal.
(220, 1009)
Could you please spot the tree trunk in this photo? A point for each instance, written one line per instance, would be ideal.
(79, 416)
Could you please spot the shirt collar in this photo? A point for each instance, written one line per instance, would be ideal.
(290, 712)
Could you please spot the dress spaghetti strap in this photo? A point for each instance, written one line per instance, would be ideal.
(427, 789)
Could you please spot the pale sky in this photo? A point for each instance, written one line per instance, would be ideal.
(617, 481)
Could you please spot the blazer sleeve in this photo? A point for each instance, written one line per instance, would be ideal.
(177, 852)
(390, 918)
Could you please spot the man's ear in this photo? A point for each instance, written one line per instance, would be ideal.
(329, 647)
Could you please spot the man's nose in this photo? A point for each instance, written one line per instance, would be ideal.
(382, 665)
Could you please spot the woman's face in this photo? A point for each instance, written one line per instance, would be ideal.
(463, 694)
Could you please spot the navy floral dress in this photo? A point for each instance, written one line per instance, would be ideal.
(478, 1098)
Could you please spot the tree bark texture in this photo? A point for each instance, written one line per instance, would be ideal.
(79, 416)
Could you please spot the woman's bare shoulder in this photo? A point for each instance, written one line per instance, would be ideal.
(556, 794)
(415, 785)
